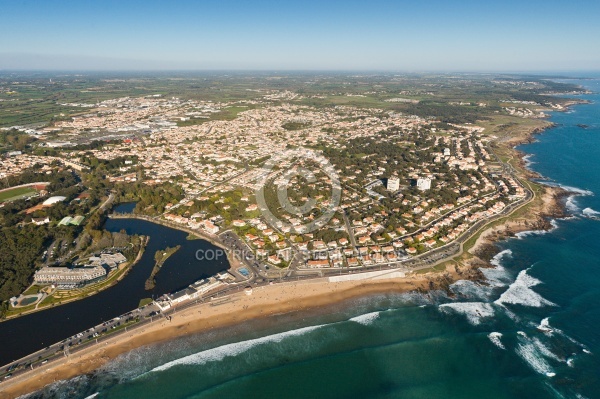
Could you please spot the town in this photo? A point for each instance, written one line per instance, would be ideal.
(410, 184)
(278, 186)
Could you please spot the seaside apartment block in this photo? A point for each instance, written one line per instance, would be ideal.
(65, 277)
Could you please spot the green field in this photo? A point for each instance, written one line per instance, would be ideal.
(16, 193)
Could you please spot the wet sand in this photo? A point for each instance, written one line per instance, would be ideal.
(263, 302)
(289, 297)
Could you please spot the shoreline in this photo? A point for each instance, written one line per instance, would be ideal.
(233, 261)
(115, 281)
(538, 219)
(290, 297)
(539, 215)
(265, 301)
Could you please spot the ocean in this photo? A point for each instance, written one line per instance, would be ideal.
(531, 332)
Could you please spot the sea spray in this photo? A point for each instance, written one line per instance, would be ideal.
(233, 349)
(473, 311)
(471, 290)
(591, 213)
(495, 338)
(528, 352)
(527, 233)
(366, 319)
(498, 276)
(545, 350)
(520, 292)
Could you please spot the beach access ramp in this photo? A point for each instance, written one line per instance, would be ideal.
(376, 275)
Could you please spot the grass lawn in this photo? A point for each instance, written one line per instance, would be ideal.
(144, 302)
(34, 289)
(16, 193)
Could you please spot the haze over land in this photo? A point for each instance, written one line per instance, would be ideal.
(333, 199)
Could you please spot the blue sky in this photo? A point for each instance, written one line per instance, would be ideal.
(337, 35)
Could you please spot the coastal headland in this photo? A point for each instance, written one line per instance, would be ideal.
(268, 301)
(278, 298)
(533, 212)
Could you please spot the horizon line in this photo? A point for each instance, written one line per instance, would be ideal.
(300, 70)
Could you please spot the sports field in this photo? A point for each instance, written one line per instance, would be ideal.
(16, 193)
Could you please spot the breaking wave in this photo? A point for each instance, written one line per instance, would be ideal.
(474, 311)
(229, 350)
(545, 326)
(571, 189)
(527, 160)
(571, 204)
(366, 319)
(499, 256)
(495, 338)
(544, 350)
(591, 213)
(531, 355)
(520, 293)
(471, 290)
(64, 389)
(498, 276)
(527, 233)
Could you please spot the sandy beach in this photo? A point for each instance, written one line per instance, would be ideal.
(297, 296)
(264, 301)
(276, 299)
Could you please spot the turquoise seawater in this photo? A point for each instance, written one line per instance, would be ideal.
(484, 343)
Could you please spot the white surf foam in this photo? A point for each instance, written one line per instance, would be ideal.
(520, 292)
(233, 349)
(512, 315)
(591, 213)
(498, 276)
(528, 352)
(92, 396)
(528, 233)
(495, 338)
(366, 319)
(497, 259)
(571, 189)
(474, 311)
(472, 290)
(416, 298)
(571, 204)
(576, 190)
(527, 160)
(544, 326)
(572, 340)
(545, 351)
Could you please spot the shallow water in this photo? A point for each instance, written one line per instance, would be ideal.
(532, 332)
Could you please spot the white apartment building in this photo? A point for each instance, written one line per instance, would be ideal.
(423, 184)
(393, 183)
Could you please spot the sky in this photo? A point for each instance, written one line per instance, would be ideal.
(383, 35)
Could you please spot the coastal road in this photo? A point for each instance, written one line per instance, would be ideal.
(72, 344)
